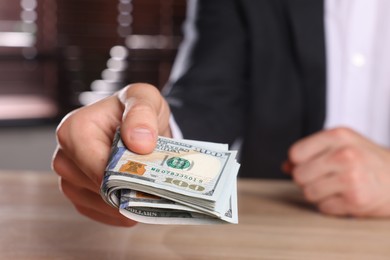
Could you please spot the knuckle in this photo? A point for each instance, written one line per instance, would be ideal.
(56, 164)
(140, 86)
(141, 115)
(293, 153)
(341, 133)
(143, 92)
(63, 129)
(351, 178)
(61, 134)
(346, 154)
(140, 107)
(74, 127)
(139, 89)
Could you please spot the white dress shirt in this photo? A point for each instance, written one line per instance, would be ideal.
(357, 36)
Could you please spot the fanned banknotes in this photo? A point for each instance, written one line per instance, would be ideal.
(180, 182)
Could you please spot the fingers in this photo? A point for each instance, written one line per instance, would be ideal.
(86, 198)
(91, 204)
(333, 206)
(331, 161)
(146, 115)
(340, 205)
(324, 188)
(316, 144)
(86, 135)
(68, 170)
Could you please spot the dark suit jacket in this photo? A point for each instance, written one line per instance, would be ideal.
(256, 70)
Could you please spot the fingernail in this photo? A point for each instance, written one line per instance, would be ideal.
(141, 135)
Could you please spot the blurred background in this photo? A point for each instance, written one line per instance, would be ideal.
(57, 55)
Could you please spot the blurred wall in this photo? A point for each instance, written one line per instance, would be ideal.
(53, 51)
(56, 55)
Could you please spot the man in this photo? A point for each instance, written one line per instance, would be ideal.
(266, 71)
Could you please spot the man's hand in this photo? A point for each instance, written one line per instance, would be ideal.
(343, 173)
(84, 143)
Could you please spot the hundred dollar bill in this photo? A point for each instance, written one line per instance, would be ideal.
(150, 209)
(188, 173)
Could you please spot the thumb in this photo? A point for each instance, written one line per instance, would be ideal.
(145, 116)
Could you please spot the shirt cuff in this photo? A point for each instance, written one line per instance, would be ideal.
(175, 129)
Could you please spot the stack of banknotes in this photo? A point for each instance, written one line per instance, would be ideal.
(180, 182)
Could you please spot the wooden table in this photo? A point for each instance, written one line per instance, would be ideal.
(37, 222)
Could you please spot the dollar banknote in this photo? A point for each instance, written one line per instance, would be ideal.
(156, 210)
(180, 182)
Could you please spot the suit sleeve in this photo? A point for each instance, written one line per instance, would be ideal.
(206, 91)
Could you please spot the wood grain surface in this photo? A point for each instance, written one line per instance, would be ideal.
(37, 222)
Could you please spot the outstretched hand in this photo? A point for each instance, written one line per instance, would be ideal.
(84, 143)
